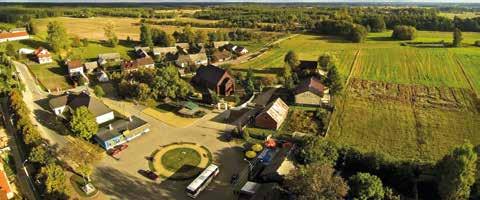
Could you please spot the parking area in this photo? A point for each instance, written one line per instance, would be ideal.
(119, 178)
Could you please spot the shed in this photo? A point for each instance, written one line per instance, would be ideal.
(273, 115)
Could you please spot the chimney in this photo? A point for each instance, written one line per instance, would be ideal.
(110, 126)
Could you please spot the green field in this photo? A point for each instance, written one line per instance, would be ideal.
(51, 76)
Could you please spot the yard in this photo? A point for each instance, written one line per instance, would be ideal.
(51, 76)
(169, 117)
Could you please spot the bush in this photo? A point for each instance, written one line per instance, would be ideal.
(404, 33)
(477, 43)
(358, 34)
(98, 91)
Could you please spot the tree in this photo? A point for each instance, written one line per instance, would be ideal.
(83, 123)
(404, 33)
(326, 60)
(82, 155)
(41, 154)
(457, 37)
(188, 34)
(76, 42)
(456, 173)
(31, 28)
(319, 150)
(364, 186)
(334, 80)
(57, 36)
(54, 179)
(143, 92)
(201, 37)
(291, 59)
(161, 38)
(98, 90)
(10, 50)
(112, 38)
(167, 83)
(316, 182)
(358, 34)
(146, 35)
(377, 24)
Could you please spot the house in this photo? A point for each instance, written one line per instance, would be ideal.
(311, 66)
(141, 53)
(146, 62)
(5, 188)
(162, 51)
(191, 60)
(310, 92)
(145, 49)
(75, 67)
(108, 58)
(219, 44)
(90, 66)
(241, 50)
(220, 56)
(216, 79)
(273, 115)
(102, 76)
(183, 45)
(72, 101)
(14, 34)
(120, 131)
(42, 56)
(229, 47)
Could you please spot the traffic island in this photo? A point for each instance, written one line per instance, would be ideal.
(180, 161)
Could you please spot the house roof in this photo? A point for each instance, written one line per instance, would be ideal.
(191, 58)
(240, 49)
(183, 45)
(277, 110)
(91, 65)
(12, 34)
(73, 64)
(76, 100)
(164, 50)
(41, 52)
(221, 55)
(118, 127)
(263, 98)
(307, 64)
(4, 185)
(141, 48)
(220, 43)
(140, 62)
(312, 84)
(210, 74)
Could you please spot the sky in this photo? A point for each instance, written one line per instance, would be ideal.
(258, 1)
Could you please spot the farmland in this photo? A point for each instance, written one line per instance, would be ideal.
(406, 102)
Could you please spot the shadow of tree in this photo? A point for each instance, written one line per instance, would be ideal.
(268, 70)
(34, 43)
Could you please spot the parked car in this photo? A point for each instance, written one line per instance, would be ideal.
(149, 174)
(117, 149)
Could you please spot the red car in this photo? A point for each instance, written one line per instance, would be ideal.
(115, 150)
(149, 174)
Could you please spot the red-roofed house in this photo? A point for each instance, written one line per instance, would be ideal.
(5, 189)
(311, 92)
(42, 55)
(20, 34)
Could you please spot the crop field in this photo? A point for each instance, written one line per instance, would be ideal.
(469, 59)
(92, 28)
(460, 15)
(405, 121)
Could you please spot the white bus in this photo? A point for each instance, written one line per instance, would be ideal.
(202, 181)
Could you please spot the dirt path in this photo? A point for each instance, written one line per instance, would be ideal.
(344, 96)
(460, 64)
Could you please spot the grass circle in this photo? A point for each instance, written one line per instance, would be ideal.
(176, 159)
(180, 161)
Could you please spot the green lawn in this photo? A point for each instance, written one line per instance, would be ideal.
(180, 159)
(51, 75)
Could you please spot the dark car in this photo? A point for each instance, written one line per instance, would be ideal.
(149, 174)
(115, 150)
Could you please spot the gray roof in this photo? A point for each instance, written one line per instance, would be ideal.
(76, 100)
(118, 127)
(91, 65)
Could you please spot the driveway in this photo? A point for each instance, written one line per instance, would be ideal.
(118, 179)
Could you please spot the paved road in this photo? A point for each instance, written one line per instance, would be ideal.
(24, 182)
(32, 94)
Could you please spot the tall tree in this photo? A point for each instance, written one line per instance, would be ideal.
(334, 80)
(146, 35)
(316, 182)
(112, 38)
(83, 123)
(358, 34)
(319, 150)
(82, 155)
(326, 60)
(457, 37)
(377, 24)
(404, 32)
(201, 37)
(456, 172)
(10, 50)
(364, 186)
(188, 34)
(291, 59)
(167, 83)
(54, 179)
(57, 36)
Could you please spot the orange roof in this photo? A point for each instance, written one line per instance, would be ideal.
(39, 50)
(5, 35)
(4, 185)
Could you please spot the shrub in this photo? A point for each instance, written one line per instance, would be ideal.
(358, 34)
(404, 33)
(477, 43)
(98, 91)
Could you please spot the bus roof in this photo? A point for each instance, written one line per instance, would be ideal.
(199, 180)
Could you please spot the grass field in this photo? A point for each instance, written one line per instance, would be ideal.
(460, 15)
(51, 75)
